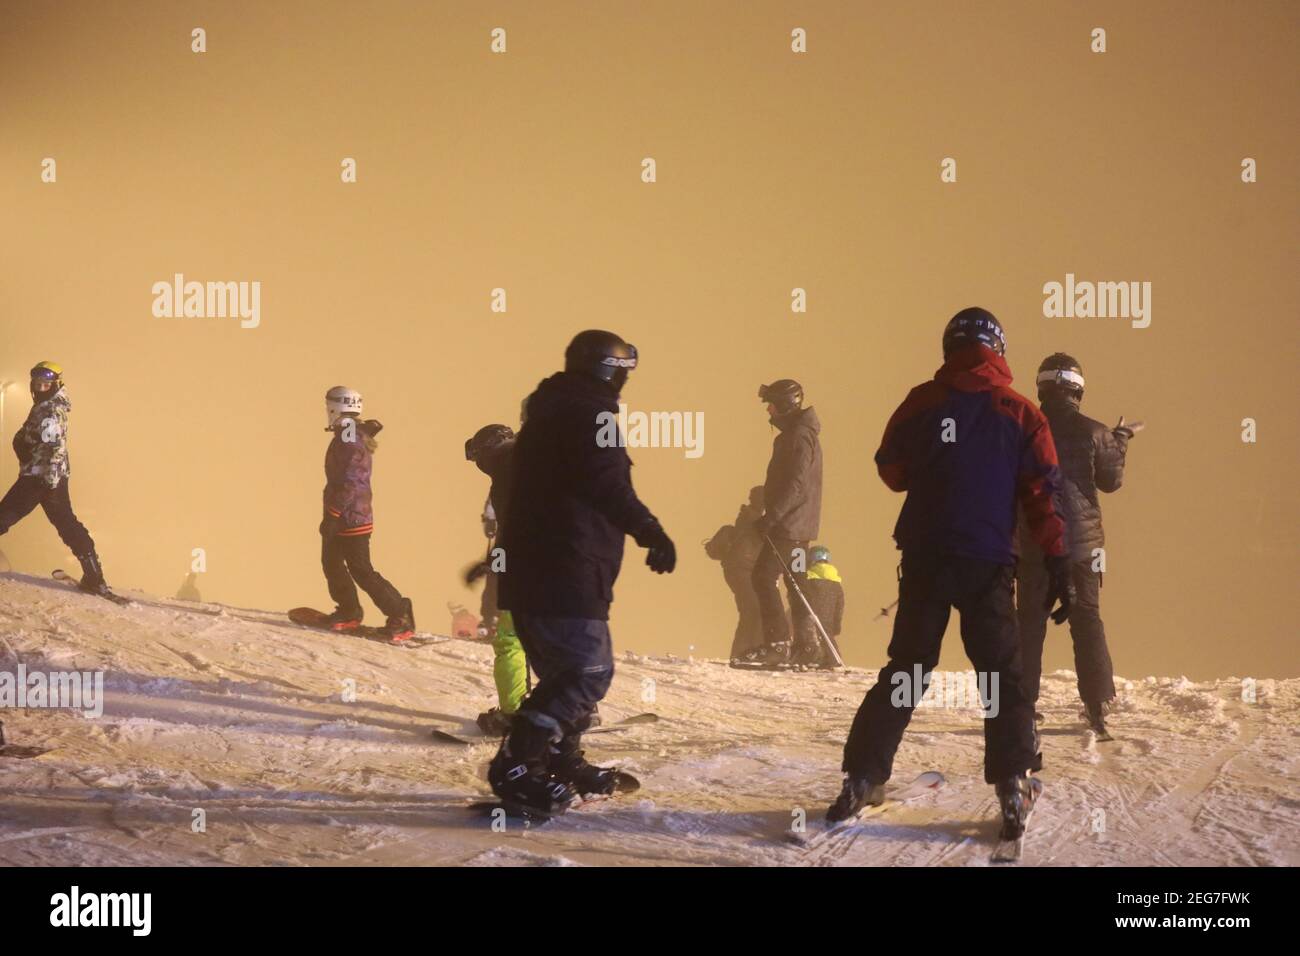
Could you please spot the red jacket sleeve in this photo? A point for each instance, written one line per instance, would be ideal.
(892, 456)
(1040, 482)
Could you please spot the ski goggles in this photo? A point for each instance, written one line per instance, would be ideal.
(44, 375)
(1065, 377)
(615, 362)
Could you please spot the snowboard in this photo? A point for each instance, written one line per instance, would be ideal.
(1010, 850)
(818, 833)
(66, 578)
(310, 617)
(627, 723)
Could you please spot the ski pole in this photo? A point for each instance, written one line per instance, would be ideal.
(789, 579)
(884, 611)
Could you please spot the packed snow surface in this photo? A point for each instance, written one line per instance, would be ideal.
(231, 736)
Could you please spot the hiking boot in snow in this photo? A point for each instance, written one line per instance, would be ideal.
(858, 793)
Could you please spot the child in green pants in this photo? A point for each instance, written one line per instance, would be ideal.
(491, 449)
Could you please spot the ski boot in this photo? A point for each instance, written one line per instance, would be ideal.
(520, 777)
(776, 654)
(806, 656)
(92, 574)
(1095, 715)
(401, 626)
(341, 620)
(858, 794)
(1017, 796)
(494, 722)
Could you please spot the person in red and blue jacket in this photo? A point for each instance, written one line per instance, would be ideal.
(967, 450)
(349, 521)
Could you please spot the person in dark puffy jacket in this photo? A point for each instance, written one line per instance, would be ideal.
(1092, 461)
(571, 506)
(349, 521)
(792, 495)
(966, 448)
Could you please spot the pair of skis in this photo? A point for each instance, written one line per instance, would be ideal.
(1008, 849)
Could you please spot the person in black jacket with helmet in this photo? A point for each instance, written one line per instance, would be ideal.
(1092, 460)
(792, 494)
(563, 542)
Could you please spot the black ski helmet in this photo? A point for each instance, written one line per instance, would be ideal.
(785, 395)
(602, 355)
(488, 439)
(1060, 373)
(974, 326)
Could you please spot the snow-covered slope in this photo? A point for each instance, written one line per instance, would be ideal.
(242, 716)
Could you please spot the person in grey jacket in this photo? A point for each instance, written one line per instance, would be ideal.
(792, 495)
(1092, 461)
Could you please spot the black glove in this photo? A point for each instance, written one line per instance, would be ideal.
(330, 526)
(661, 556)
(475, 571)
(1060, 586)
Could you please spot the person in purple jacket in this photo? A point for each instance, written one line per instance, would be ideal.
(349, 521)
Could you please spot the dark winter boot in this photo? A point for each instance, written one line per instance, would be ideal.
(342, 620)
(519, 774)
(401, 626)
(858, 794)
(769, 654)
(1016, 796)
(570, 767)
(807, 655)
(1095, 715)
(92, 574)
(494, 722)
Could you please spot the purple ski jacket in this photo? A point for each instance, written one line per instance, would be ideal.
(348, 467)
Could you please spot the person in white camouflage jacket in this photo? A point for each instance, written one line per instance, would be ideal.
(42, 449)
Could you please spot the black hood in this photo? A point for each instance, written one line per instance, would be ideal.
(565, 388)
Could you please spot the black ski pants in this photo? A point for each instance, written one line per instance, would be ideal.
(31, 490)
(931, 585)
(346, 561)
(1092, 662)
(573, 659)
(768, 570)
(749, 623)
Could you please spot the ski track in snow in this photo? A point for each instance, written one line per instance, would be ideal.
(242, 715)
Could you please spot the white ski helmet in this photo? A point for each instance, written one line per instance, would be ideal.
(339, 401)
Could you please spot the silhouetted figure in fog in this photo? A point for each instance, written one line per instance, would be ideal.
(737, 546)
(190, 589)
